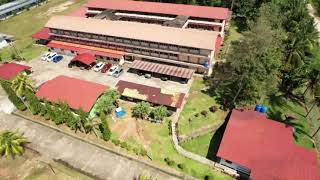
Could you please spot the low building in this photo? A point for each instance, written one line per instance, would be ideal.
(78, 94)
(156, 96)
(11, 70)
(253, 143)
(11, 8)
(177, 35)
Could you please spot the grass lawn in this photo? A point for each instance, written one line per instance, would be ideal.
(279, 105)
(29, 166)
(232, 35)
(199, 145)
(197, 102)
(23, 25)
(156, 140)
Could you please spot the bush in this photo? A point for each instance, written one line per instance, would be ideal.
(182, 166)
(169, 127)
(169, 161)
(143, 152)
(123, 145)
(136, 151)
(159, 113)
(204, 113)
(104, 127)
(213, 109)
(17, 102)
(115, 142)
(208, 177)
(196, 115)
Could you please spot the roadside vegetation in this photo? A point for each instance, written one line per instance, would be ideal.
(23, 25)
(11, 144)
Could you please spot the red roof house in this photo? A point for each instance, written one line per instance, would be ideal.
(75, 92)
(162, 8)
(267, 148)
(11, 70)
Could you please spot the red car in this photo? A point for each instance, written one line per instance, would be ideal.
(106, 67)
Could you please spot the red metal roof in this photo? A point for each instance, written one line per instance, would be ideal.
(162, 8)
(154, 95)
(267, 148)
(75, 92)
(162, 69)
(218, 44)
(42, 34)
(11, 70)
(85, 58)
(85, 49)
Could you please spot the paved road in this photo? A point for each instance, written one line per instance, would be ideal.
(88, 158)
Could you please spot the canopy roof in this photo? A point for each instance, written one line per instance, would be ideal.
(11, 70)
(162, 69)
(85, 58)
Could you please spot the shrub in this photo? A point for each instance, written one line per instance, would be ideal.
(17, 102)
(143, 152)
(213, 109)
(182, 166)
(136, 151)
(169, 161)
(115, 142)
(104, 127)
(169, 127)
(123, 145)
(204, 113)
(208, 177)
(196, 115)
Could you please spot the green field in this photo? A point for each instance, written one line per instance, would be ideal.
(199, 145)
(191, 118)
(23, 25)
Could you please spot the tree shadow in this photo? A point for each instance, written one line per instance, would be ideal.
(216, 140)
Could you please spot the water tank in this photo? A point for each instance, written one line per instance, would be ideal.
(264, 109)
(258, 108)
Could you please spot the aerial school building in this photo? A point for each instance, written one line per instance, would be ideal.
(183, 36)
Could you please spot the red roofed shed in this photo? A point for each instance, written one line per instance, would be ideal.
(85, 58)
(267, 148)
(75, 92)
(11, 70)
(162, 8)
(153, 95)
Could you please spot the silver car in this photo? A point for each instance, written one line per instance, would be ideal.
(118, 72)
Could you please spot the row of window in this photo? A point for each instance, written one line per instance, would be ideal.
(135, 50)
(142, 43)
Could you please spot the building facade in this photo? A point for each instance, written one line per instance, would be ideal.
(11, 8)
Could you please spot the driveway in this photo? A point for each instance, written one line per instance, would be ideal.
(43, 71)
(78, 154)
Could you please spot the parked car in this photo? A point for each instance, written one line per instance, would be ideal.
(164, 78)
(106, 67)
(112, 70)
(44, 57)
(148, 76)
(98, 67)
(90, 66)
(57, 58)
(52, 55)
(118, 72)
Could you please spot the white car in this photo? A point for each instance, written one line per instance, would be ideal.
(112, 70)
(98, 67)
(44, 57)
(51, 56)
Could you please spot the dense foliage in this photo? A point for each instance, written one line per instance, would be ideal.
(16, 101)
(280, 51)
(141, 110)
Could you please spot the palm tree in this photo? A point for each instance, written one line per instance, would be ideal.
(11, 143)
(316, 98)
(21, 85)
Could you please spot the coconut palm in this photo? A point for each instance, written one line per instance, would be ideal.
(11, 143)
(21, 85)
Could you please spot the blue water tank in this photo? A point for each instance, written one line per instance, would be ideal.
(258, 108)
(206, 64)
(264, 109)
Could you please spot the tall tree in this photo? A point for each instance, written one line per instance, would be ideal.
(11, 143)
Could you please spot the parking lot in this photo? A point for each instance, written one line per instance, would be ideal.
(43, 71)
